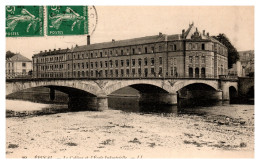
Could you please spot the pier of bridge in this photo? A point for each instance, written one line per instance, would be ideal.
(93, 93)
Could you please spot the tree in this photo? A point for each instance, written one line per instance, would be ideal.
(9, 54)
(233, 55)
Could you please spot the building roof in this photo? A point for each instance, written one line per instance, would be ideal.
(188, 34)
(17, 57)
(54, 52)
(145, 40)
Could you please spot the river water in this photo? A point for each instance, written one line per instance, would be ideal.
(128, 127)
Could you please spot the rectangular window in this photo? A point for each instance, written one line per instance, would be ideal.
(122, 63)
(24, 64)
(160, 60)
(145, 49)
(160, 71)
(116, 63)
(139, 50)
(203, 46)
(196, 59)
(139, 62)
(122, 72)
(122, 52)
(152, 72)
(91, 65)
(127, 72)
(203, 59)
(116, 72)
(152, 61)
(101, 55)
(139, 71)
(160, 48)
(152, 49)
(145, 62)
(82, 65)
(86, 65)
(101, 64)
(133, 72)
(190, 59)
(146, 72)
(127, 63)
(105, 64)
(174, 61)
(133, 62)
(133, 50)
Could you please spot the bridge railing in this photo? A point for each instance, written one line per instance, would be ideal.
(228, 77)
(109, 77)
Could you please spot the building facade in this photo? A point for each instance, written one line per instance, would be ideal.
(191, 54)
(17, 66)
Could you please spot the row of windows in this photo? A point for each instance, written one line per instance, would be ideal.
(12, 64)
(51, 59)
(202, 59)
(110, 73)
(105, 64)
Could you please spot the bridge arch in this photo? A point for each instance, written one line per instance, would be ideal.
(12, 87)
(181, 84)
(157, 84)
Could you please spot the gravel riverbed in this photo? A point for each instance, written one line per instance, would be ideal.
(118, 134)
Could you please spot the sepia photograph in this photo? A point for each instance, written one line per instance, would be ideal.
(129, 82)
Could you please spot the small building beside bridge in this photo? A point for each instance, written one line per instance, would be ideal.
(17, 65)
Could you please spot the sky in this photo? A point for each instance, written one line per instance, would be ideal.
(123, 22)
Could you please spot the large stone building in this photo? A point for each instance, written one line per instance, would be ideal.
(191, 54)
(17, 65)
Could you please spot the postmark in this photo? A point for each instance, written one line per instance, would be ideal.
(67, 20)
(22, 21)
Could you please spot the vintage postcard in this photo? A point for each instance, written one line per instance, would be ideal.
(129, 82)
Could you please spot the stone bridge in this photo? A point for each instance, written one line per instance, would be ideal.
(155, 90)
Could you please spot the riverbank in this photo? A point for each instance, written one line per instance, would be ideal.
(118, 134)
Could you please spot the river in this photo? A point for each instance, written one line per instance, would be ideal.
(128, 129)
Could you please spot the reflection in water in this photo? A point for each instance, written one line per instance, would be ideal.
(126, 104)
(184, 106)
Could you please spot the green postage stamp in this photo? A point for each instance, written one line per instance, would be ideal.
(67, 20)
(24, 21)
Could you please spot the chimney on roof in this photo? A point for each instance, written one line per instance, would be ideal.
(59, 49)
(49, 50)
(45, 51)
(113, 40)
(207, 34)
(203, 32)
(54, 49)
(40, 51)
(88, 39)
(183, 31)
(160, 34)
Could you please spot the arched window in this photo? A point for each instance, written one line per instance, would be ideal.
(197, 72)
(203, 75)
(190, 72)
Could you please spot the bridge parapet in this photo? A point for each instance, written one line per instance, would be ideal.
(228, 77)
